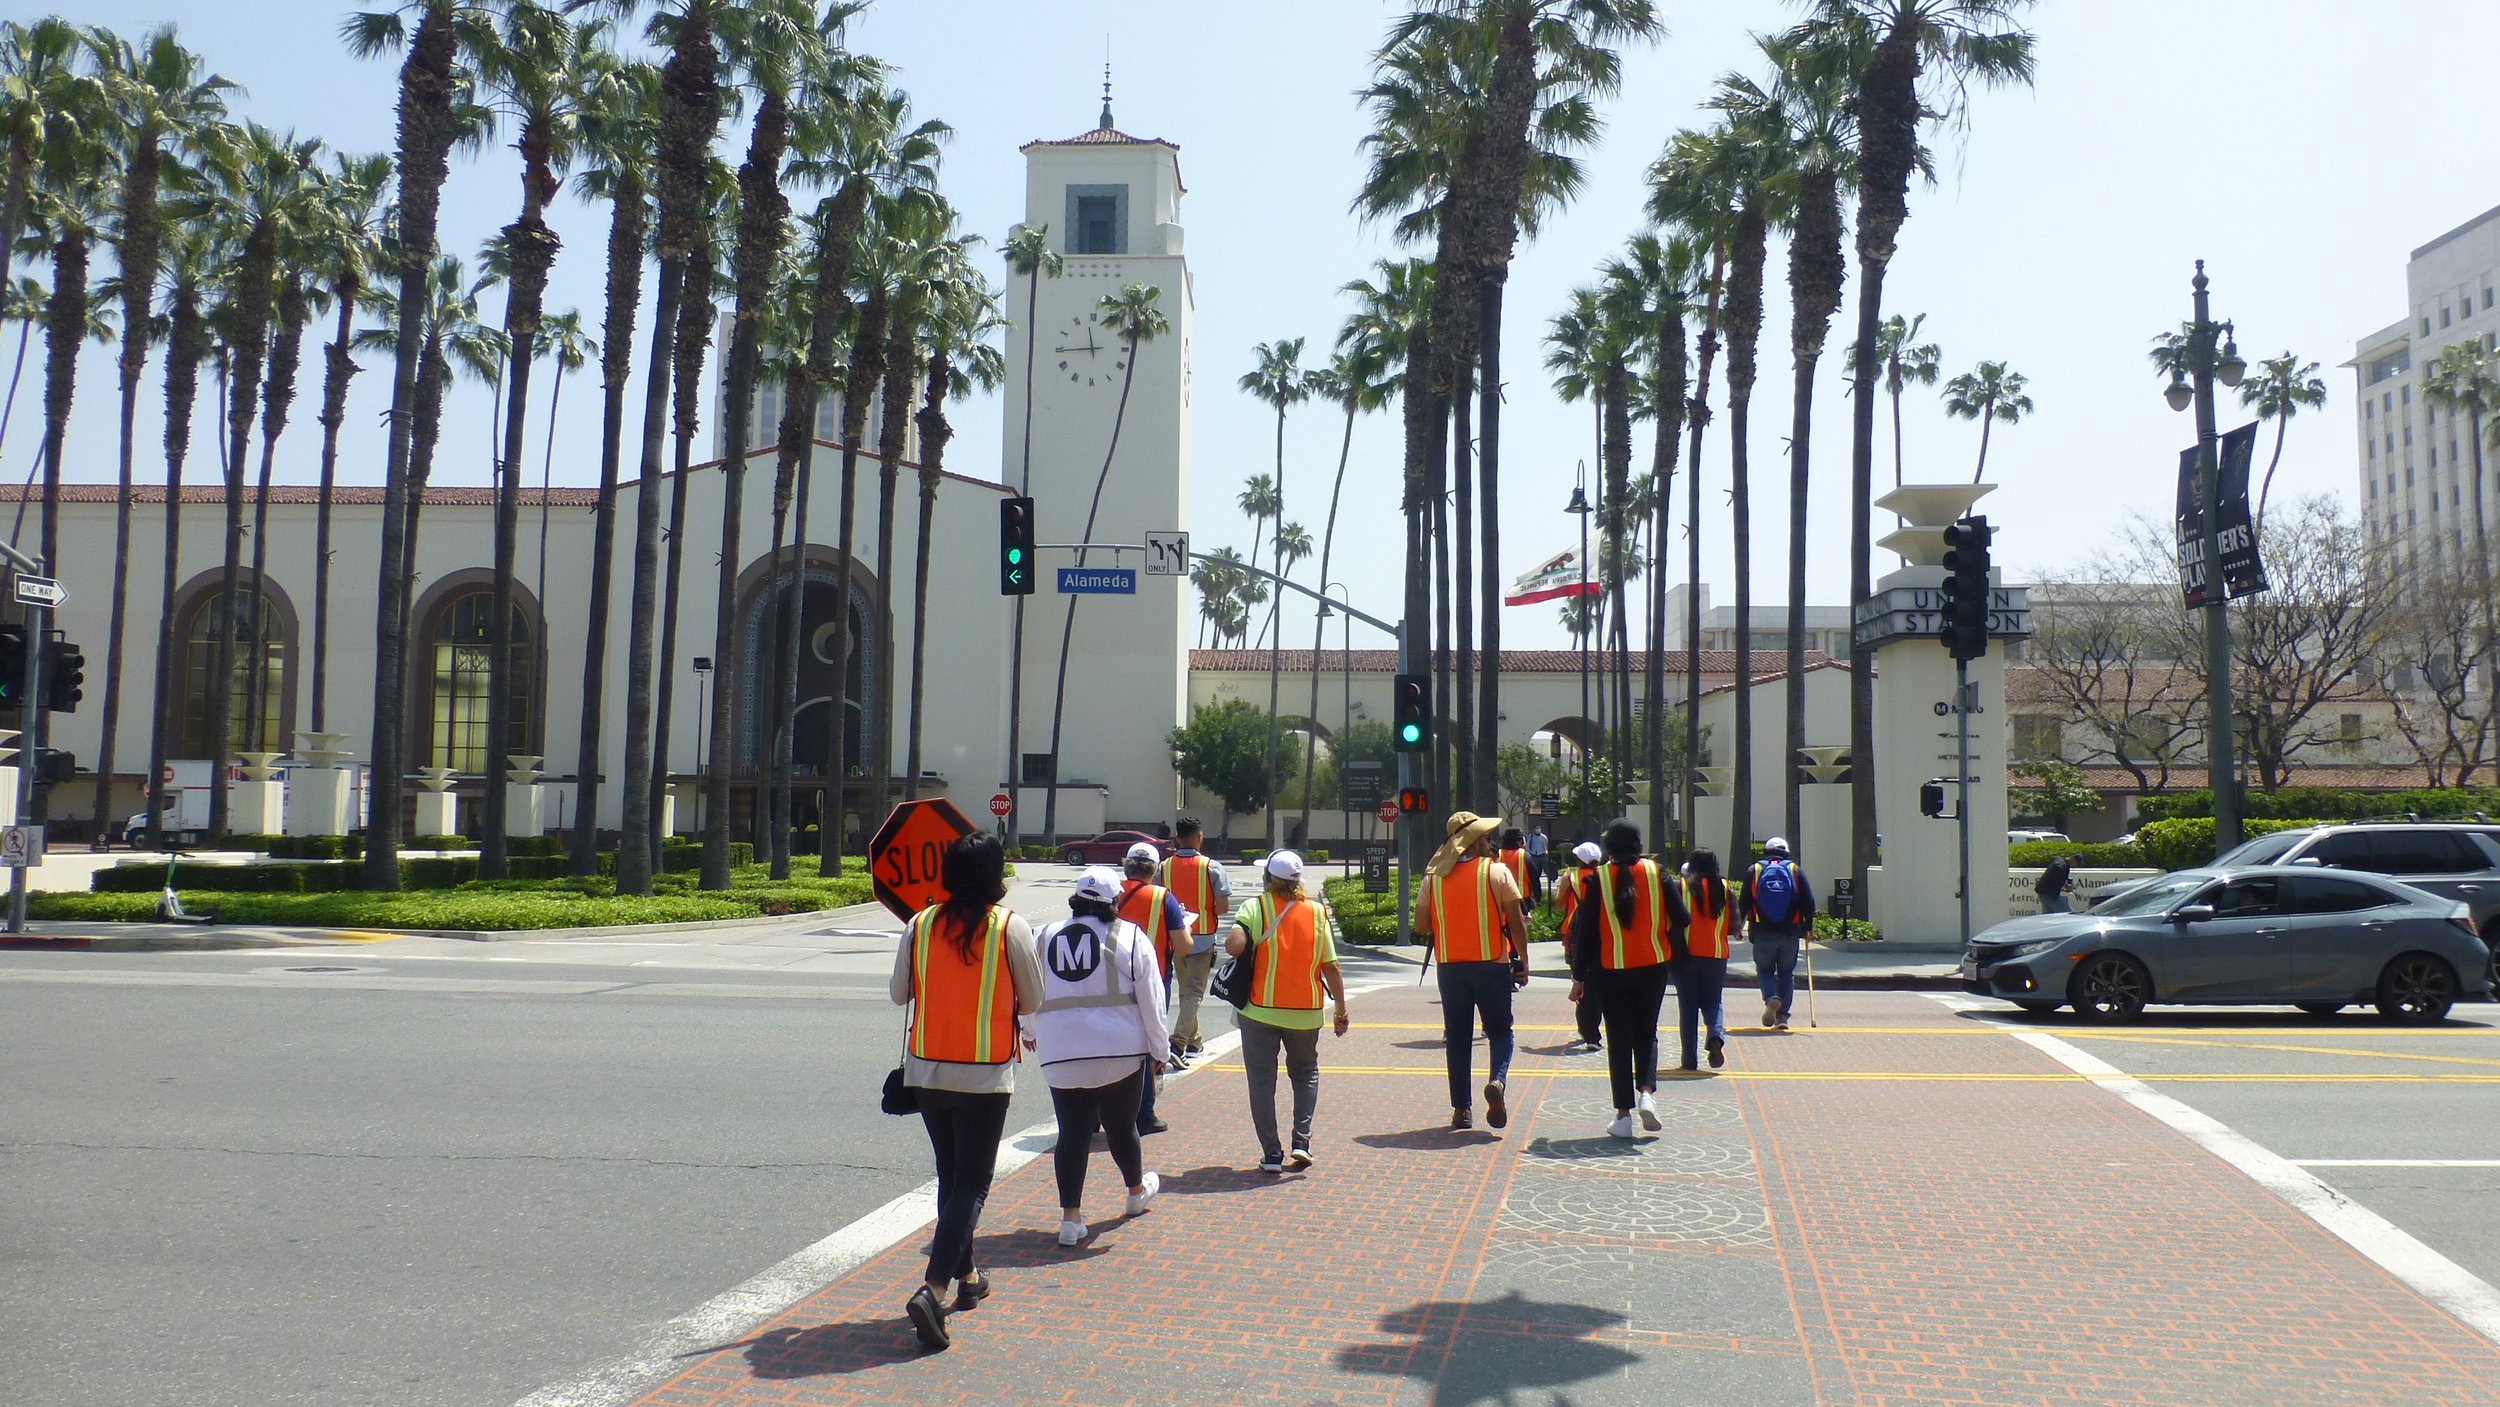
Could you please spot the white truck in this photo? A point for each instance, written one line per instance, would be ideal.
(183, 798)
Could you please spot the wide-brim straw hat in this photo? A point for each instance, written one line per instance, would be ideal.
(1463, 829)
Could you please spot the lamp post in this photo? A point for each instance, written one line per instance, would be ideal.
(2192, 384)
(1579, 508)
(703, 739)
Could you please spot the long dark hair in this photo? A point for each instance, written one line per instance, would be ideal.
(1623, 846)
(1083, 907)
(974, 871)
(1709, 890)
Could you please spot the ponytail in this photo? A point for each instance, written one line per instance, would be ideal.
(1623, 846)
(1709, 890)
(1624, 908)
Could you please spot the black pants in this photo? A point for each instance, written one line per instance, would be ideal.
(963, 1132)
(1631, 999)
(1111, 1108)
(1470, 990)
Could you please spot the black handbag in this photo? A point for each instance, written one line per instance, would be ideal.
(1233, 975)
(898, 1098)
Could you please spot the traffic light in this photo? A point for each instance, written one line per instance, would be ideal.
(1931, 799)
(56, 766)
(12, 664)
(64, 676)
(1414, 801)
(1964, 629)
(1015, 547)
(1410, 709)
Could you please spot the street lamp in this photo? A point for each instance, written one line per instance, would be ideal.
(703, 735)
(1579, 508)
(2193, 385)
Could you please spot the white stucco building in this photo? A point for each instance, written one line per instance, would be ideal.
(2417, 464)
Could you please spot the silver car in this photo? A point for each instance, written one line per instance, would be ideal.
(2301, 935)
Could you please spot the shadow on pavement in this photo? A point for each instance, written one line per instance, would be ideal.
(1491, 1351)
(830, 1349)
(1428, 1140)
(1200, 1181)
(1023, 1250)
(1577, 1149)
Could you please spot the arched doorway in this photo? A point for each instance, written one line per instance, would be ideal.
(455, 641)
(199, 616)
(821, 592)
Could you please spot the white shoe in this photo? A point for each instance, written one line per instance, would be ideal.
(1073, 1233)
(1138, 1201)
(1620, 1128)
(1648, 1106)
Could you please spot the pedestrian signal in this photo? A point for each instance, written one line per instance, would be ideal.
(12, 665)
(1414, 801)
(1015, 547)
(64, 676)
(1931, 799)
(1410, 721)
(1963, 629)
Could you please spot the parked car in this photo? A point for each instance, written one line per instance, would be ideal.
(2024, 837)
(1110, 847)
(2296, 935)
(2457, 860)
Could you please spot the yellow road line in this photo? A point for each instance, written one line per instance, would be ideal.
(2306, 1049)
(1952, 1076)
(357, 935)
(1994, 1028)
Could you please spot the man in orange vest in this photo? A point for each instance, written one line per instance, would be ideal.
(1205, 890)
(1479, 928)
(1514, 857)
(1153, 908)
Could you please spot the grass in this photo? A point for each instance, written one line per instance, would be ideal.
(487, 905)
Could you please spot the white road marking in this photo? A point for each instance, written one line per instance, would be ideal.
(2429, 1274)
(2395, 1162)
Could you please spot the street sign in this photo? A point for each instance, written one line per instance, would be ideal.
(40, 591)
(21, 847)
(1388, 813)
(903, 858)
(1360, 784)
(1000, 806)
(1097, 581)
(1375, 869)
(1549, 805)
(1167, 554)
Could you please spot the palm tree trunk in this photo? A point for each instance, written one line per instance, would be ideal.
(65, 327)
(861, 375)
(2482, 569)
(339, 367)
(25, 333)
(1276, 639)
(786, 590)
(1486, 797)
(2283, 423)
(547, 485)
(1443, 763)
(1697, 420)
(626, 220)
(934, 432)
(1744, 317)
(248, 350)
(1667, 419)
(1067, 627)
(1987, 422)
(183, 346)
(636, 856)
(532, 248)
(1816, 269)
(1319, 627)
(1896, 436)
(893, 416)
(695, 317)
(1463, 588)
(278, 396)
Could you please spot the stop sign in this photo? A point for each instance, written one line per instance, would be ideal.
(1388, 813)
(904, 857)
(1000, 806)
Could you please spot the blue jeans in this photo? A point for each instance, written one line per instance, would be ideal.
(1466, 989)
(1698, 982)
(1775, 966)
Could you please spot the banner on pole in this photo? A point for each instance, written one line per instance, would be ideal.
(2243, 574)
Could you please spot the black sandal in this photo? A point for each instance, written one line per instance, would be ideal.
(971, 1291)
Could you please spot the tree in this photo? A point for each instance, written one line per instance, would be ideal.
(2435, 643)
(960, 358)
(697, 314)
(1906, 362)
(1258, 499)
(1355, 380)
(2463, 380)
(1656, 278)
(1897, 46)
(40, 100)
(1029, 255)
(563, 338)
(2058, 791)
(186, 261)
(1525, 772)
(2282, 388)
(291, 312)
(1988, 393)
(1133, 316)
(349, 254)
(1228, 749)
(2103, 650)
(1279, 381)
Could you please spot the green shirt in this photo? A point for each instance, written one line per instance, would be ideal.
(1253, 921)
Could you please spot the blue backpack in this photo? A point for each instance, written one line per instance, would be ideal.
(1774, 891)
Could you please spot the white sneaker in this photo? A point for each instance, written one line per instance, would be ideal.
(1073, 1233)
(1620, 1128)
(1138, 1201)
(1648, 1106)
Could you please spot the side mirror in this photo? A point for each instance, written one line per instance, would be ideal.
(2191, 913)
(2310, 860)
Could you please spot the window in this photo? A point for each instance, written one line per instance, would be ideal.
(2328, 894)
(2486, 300)
(2348, 730)
(1098, 219)
(2434, 456)
(2443, 315)
(2491, 342)
(2374, 486)
(2407, 393)
(199, 667)
(462, 646)
(2408, 436)
(2391, 442)
(2373, 447)
(2408, 476)
(2407, 851)
(2254, 897)
(2426, 325)
(2387, 401)
(1037, 769)
(2369, 410)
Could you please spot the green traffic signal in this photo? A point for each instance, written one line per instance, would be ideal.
(1015, 555)
(1414, 734)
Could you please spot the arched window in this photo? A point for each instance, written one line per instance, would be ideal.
(811, 750)
(264, 693)
(462, 647)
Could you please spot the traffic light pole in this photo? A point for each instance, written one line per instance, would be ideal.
(30, 714)
(1961, 780)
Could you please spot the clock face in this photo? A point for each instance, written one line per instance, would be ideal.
(1087, 353)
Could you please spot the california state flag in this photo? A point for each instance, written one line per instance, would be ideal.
(1557, 576)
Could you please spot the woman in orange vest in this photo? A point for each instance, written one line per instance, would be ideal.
(1701, 972)
(1284, 936)
(1623, 943)
(967, 969)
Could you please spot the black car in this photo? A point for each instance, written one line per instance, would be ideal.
(2457, 860)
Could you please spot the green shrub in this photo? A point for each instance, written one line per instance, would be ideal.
(2032, 854)
(688, 855)
(316, 847)
(263, 844)
(536, 867)
(2333, 803)
(1361, 917)
(1844, 930)
(438, 842)
(2188, 841)
(537, 845)
(316, 877)
(437, 873)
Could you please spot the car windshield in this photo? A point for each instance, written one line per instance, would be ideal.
(2153, 896)
(2264, 850)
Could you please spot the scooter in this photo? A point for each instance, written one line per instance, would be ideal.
(169, 904)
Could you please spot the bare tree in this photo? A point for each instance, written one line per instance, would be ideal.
(2434, 637)
(2105, 652)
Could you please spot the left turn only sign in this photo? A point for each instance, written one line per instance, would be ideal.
(903, 859)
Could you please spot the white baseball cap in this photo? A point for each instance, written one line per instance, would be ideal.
(1587, 853)
(1100, 883)
(1285, 864)
(1146, 852)
(1776, 845)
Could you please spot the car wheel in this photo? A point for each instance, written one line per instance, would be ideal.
(2110, 987)
(2319, 1008)
(2039, 1008)
(1072, 856)
(2416, 990)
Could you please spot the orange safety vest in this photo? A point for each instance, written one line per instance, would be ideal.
(962, 1012)
(1284, 955)
(1707, 937)
(1142, 904)
(1516, 861)
(1643, 941)
(1192, 877)
(1567, 897)
(1465, 924)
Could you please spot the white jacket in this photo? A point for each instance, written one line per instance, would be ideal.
(1102, 993)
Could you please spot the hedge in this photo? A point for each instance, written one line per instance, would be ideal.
(2332, 803)
(1361, 917)
(2032, 854)
(2188, 841)
(317, 877)
(425, 909)
(316, 847)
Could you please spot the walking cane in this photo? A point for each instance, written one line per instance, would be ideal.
(1810, 1022)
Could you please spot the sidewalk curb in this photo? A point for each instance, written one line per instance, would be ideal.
(848, 915)
(150, 943)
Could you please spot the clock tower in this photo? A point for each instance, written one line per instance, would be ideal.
(1111, 203)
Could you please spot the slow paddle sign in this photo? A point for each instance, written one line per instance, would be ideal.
(903, 859)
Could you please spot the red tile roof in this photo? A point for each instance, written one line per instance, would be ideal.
(1113, 137)
(2190, 776)
(1767, 664)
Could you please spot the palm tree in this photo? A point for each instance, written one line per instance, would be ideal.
(161, 97)
(1214, 575)
(1133, 316)
(960, 358)
(1906, 362)
(1356, 379)
(1987, 393)
(36, 77)
(536, 68)
(862, 375)
(21, 302)
(187, 257)
(1276, 380)
(291, 312)
(430, 90)
(350, 251)
(1030, 255)
(1655, 279)
(2465, 381)
(1895, 44)
(2282, 388)
(1258, 499)
(563, 337)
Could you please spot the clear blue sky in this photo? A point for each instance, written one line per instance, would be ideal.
(2300, 149)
